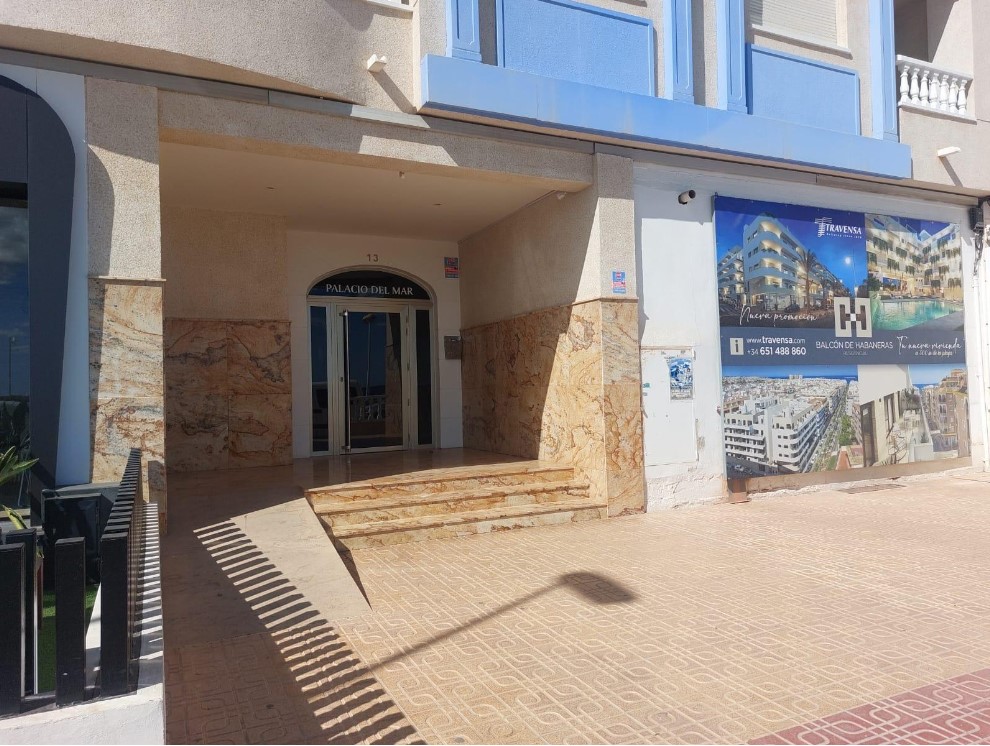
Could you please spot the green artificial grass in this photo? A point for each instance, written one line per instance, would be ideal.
(46, 637)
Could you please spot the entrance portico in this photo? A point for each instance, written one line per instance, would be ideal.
(307, 317)
(325, 300)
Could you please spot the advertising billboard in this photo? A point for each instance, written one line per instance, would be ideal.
(842, 339)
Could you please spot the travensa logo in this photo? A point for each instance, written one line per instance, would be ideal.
(827, 227)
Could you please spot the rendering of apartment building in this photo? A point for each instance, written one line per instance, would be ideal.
(241, 235)
(911, 264)
(945, 407)
(775, 271)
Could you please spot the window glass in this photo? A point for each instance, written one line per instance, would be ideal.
(321, 399)
(15, 328)
(424, 378)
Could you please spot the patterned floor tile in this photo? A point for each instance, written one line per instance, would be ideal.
(728, 623)
(811, 618)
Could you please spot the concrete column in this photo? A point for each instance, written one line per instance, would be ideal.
(125, 283)
(621, 366)
(551, 367)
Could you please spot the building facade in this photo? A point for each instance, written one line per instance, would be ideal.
(358, 225)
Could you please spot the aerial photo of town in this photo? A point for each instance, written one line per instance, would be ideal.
(787, 420)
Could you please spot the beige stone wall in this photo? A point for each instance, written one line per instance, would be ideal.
(310, 46)
(123, 189)
(551, 364)
(555, 252)
(237, 125)
(125, 289)
(950, 34)
(927, 132)
(562, 384)
(227, 350)
(980, 65)
(223, 265)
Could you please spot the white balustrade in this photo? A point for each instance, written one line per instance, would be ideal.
(924, 85)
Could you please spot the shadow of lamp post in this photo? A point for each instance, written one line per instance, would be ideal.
(593, 587)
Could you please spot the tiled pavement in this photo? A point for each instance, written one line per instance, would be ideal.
(296, 681)
(719, 624)
(811, 618)
(953, 711)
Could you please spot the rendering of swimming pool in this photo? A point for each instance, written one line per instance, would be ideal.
(902, 314)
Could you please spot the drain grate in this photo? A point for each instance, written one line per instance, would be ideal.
(871, 488)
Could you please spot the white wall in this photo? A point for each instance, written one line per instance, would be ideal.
(678, 308)
(877, 381)
(950, 34)
(314, 255)
(66, 94)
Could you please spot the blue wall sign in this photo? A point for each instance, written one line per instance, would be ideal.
(618, 283)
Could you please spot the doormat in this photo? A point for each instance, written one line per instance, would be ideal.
(871, 488)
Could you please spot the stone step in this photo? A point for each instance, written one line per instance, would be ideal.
(348, 512)
(469, 523)
(456, 479)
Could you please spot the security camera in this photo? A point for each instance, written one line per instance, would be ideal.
(685, 197)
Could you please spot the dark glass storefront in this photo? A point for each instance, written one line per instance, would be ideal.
(15, 332)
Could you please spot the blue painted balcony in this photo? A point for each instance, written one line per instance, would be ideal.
(720, 83)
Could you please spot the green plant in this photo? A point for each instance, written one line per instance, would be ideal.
(12, 466)
(14, 518)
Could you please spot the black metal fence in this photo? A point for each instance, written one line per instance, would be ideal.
(121, 553)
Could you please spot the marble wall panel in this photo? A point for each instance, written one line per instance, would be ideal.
(197, 432)
(258, 357)
(127, 389)
(122, 423)
(622, 400)
(125, 339)
(195, 357)
(562, 384)
(229, 393)
(478, 387)
(260, 431)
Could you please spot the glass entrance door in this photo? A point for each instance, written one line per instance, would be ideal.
(372, 376)
(374, 397)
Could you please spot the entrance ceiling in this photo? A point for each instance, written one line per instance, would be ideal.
(320, 196)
